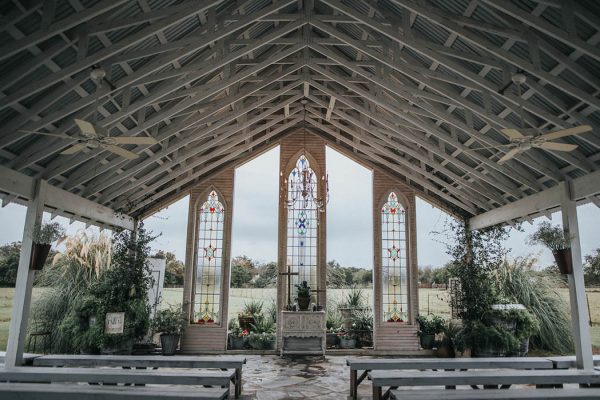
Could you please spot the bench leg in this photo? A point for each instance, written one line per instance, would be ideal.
(238, 383)
(377, 393)
(353, 385)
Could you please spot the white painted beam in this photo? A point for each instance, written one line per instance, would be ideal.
(21, 185)
(583, 188)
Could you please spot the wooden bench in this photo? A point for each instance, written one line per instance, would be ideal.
(394, 379)
(27, 357)
(565, 362)
(229, 362)
(497, 394)
(367, 365)
(37, 391)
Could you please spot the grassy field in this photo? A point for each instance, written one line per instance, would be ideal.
(430, 301)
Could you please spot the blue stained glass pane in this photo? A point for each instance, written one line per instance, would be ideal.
(301, 243)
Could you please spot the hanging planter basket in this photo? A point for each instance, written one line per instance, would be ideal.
(563, 260)
(39, 253)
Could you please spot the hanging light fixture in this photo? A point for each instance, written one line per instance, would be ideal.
(303, 185)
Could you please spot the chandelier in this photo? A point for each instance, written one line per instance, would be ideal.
(302, 184)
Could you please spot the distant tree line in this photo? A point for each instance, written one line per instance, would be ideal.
(174, 269)
(248, 273)
(430, 275)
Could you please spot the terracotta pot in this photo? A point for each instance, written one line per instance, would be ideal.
(39, 253)
(563, 260)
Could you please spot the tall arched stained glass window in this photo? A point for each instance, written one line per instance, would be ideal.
(302, 224)
(207, 297)
(394, 260)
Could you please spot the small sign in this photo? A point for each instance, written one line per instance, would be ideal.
(508, 307)
(114, 323)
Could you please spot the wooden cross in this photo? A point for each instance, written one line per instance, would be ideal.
(289, 274)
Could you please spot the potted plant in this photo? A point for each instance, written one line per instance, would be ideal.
(170, 323)
(445, 347)
(333, 324)
(558, 241)
(347, 339)
(235, 336)
(354, 303)
(487, 340)
(526, 326)
(429, 326)
(262, 340)
(43, 236)
(251, 310)
(362, 326)
(303, 296)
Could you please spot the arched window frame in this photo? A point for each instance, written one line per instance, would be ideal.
(315, 245)
(395, 253)
(201, 310)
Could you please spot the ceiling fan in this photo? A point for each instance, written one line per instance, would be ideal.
(520, 142)
(93, 136)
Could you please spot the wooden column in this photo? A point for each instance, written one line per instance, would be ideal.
(579, 311)
(22, 299)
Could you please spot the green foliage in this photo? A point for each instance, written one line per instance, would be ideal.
(253, 308)
(354, 298)
(262, 340)
(67, 281)
(174, 269)
(267, 276)
(431, 324)
(362, 320)
(170, 321)
(538, 292)
(475, 256)
(339, 277)
(303, 290)
(550, 236)
(263, 324)
(9, 263)
(481, 336)
(591, 268)
(240, 276)
(429, 275)
(47, 233)
(334, 317)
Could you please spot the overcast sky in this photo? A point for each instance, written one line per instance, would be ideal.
(349, 225)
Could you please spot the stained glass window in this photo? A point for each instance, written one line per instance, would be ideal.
(394, 260)
(210, 256)
(302, 225)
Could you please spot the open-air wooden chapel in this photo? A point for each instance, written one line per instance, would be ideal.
(111, 110)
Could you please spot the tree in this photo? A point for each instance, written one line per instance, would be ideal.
(240, 276)
(267, 275)
(591, 268)
(9, 263)
(174, 270)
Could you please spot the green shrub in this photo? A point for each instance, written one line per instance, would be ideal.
(431, 324)
(170, 321)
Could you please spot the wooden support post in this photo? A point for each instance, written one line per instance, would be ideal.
(579, 312)
(289, 274)
(22, 299)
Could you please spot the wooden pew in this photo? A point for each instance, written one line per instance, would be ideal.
(38, 391)
(227, 362)
(394, 379)
(497, 394)
(565, 362)
(367, 365)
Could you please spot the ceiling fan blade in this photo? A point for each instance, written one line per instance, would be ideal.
(87, 129)
(556, 146)
(491, 147)
(74, 149)
(133, 140)
(60, 135)
(511, 153)
(567, 132)
(119, 151)
(512, 133)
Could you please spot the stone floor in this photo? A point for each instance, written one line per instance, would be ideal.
(273, 377)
